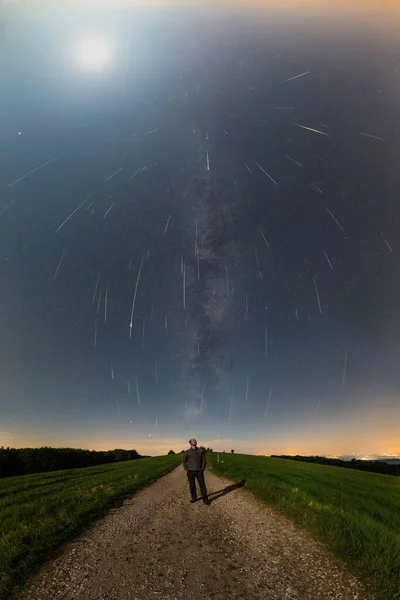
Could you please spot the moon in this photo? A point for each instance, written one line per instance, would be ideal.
(93, 53)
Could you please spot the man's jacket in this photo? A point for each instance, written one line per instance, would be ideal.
(194, 459)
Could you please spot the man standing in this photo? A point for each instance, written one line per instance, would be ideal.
(194, 463)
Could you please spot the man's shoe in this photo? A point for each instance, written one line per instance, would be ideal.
(193, 500)
(207, 502)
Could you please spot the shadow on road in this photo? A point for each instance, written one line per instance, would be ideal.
(230, 488)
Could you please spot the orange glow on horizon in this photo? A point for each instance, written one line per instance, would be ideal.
(379, 9)
(369, 430)
(318, 446)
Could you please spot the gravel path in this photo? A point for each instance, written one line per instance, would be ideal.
(158, 545)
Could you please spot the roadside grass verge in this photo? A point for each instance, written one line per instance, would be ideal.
(355, 513)
(39, 512)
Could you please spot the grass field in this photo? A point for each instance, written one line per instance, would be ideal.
(357, 514)
(39, 512)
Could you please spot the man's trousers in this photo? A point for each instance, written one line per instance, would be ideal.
(199, 475)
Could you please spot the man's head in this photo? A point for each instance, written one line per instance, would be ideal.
(193, 443)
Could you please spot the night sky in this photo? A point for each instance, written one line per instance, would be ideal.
(199, 227)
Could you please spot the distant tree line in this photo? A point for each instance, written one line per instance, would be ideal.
(375, 466)
(201, 447)
(23, 461)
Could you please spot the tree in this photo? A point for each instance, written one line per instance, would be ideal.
(232, 451)
(171, 452)
(23, 461)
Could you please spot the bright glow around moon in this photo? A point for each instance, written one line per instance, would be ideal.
(93, 53)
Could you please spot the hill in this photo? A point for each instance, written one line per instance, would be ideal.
(357, 514)
(39, 512)
(375, 466)
(24, 461)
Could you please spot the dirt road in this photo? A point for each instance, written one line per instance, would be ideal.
(158, 545)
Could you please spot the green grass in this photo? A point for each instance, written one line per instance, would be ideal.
(39, 512)
(357, 514)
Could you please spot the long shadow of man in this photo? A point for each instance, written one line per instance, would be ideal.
(230, 488)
